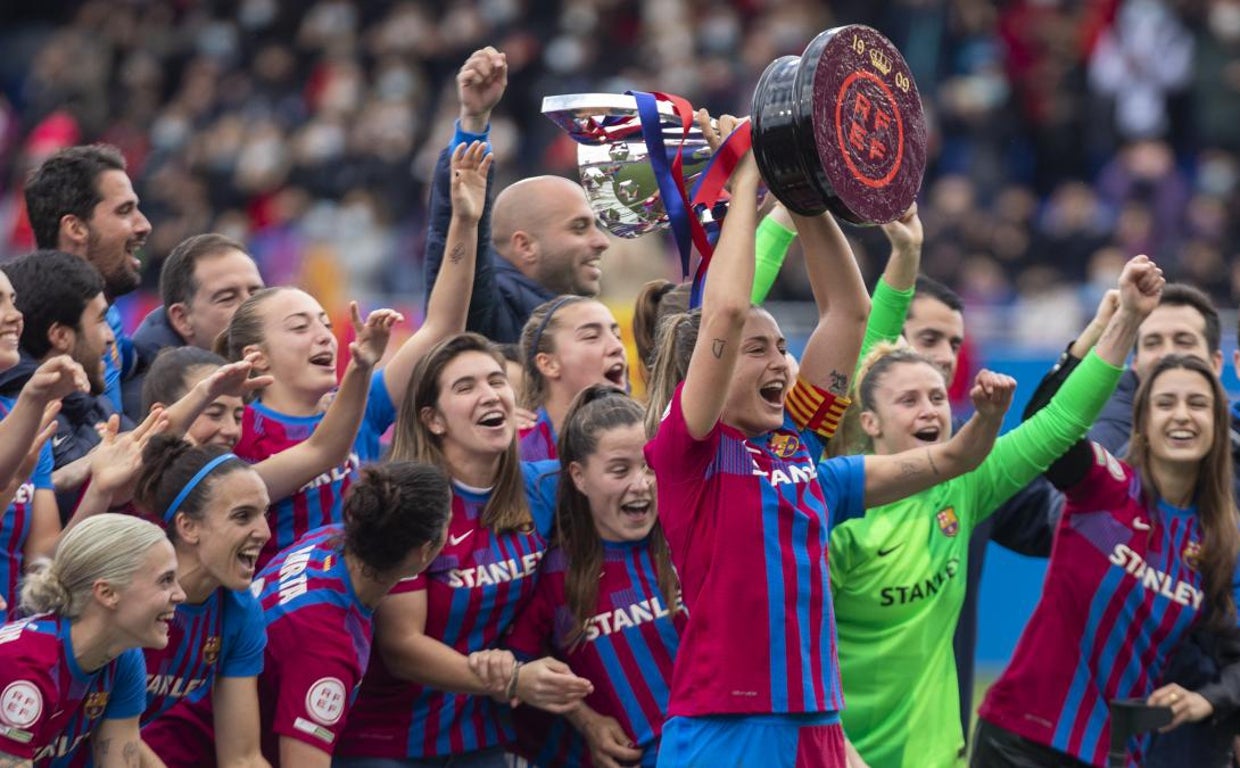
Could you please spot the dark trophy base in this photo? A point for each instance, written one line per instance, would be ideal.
(841, 128)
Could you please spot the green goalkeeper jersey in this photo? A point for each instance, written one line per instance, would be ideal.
(898, 580)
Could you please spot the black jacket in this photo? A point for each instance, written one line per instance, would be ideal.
(153, 335)
(502, 298)
(75, 425)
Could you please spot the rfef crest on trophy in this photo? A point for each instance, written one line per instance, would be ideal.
(838, 128)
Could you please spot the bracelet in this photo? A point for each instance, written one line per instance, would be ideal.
(510, 693)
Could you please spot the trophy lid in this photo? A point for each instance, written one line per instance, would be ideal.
(842, 128)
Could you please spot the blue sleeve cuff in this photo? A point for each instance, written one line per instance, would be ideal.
(465, 137)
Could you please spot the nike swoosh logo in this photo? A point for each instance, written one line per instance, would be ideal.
(889, 550)
(1140, 524)
(454, 540)
(59, 440)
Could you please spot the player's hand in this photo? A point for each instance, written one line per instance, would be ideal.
(493, 668)
(905, 233)
(233, 379)
(116, 461)
(610, 746)
(371, 336)
(549, 684)
(992, 393)
(56, 378)
(1186, 706)
(525, 418)
(469, 180)
(1140, 286)
(480, 84)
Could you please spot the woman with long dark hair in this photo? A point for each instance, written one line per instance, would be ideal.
(607, 602)
(1145, 550)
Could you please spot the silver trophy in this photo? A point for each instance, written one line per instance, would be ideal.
(838, 128)
(615, 167)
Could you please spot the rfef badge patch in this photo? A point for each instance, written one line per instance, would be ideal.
(949, 524)
(20, 704)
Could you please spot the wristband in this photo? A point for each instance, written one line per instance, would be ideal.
(511, 692)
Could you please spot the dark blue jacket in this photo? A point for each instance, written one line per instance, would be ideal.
(75, 425)
(154, 334)
(502, 298)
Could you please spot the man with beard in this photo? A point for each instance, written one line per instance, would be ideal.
(80, 201)
(537, 240)
(61, 298)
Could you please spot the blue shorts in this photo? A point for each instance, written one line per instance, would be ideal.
(772, 741)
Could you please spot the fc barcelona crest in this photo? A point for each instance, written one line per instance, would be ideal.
(95, 704)
(211, 650)
(784, 446)
(1192, 554)
(949, 524)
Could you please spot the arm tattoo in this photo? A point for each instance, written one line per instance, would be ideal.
(101, 749)
(930, 458)
(716, 348)
(839, 383)
(908, 468)
(458, 253)
(131, 755)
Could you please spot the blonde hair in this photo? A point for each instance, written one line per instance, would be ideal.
(107, 547)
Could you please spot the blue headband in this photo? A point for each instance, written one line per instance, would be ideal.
(547, 319)
(193, 483)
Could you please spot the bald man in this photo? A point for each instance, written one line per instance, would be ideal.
(537, 240)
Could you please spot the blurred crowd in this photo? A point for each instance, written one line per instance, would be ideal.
(1066, 135)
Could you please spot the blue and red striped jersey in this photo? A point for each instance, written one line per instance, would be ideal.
(15, 524)
(1121, 591)
(320, 502)
(747, 521)
(537, 443)
(474, 590)
(224, 636)
(49, 705)
(627, 651)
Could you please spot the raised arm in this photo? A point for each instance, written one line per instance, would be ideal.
(892, 477)
(449, 302)
(480, 85)
(330, 443)
(725, 299)
(843, 304)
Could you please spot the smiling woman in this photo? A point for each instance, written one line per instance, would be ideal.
(567, 344)
(897, 572)
(607, 591)
(74, 672)
(1146, 550)
(213, 506)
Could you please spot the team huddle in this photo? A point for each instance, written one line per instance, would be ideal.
(227, 543)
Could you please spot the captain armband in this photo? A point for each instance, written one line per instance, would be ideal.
(816, 409)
